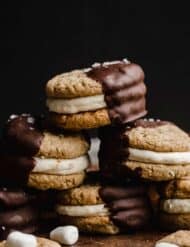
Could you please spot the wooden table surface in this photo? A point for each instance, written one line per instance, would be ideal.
(130, 240)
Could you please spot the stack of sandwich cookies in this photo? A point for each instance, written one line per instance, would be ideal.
(103, 94)
(175, 205)
(18, 211)
(105, 210)
(149, 149)
(41, 159)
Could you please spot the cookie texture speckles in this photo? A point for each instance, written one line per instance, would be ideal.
(83, 195)
(63, 146)
(87, 120)
(165, 138)
(58, 182)
(93, 224)
(157, 172)
(65, 86)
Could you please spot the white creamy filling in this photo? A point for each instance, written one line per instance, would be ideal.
(83, 211)
(61, 166)
(164, 244)
(76, 105)
(170, 158)
(175, 206)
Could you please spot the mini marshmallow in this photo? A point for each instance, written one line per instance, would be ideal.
(162, 244)
(67, 235)
(19, 239)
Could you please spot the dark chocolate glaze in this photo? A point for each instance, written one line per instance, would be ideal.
(124, 90)
(15, 170)
(21, 139)
(129, 206)
(21, 135)
(12, 198)
(18, 217)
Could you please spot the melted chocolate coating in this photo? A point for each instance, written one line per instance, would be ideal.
(129, 206)
(15, 170)
(10, 198)
(124, 90)
(133, 219)
(21, 139)
(21, 136)
(18, 217)
(110, 193)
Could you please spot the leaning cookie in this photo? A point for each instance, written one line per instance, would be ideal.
(176, 239)
(41, 159)
(103, 94)
(16, 239)
(105, 210)
(149, 149)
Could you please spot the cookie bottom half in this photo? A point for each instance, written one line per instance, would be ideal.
(58, 182)
(91, 224)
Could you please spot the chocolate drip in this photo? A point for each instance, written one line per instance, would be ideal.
(129, 206)
(15, 170)
(19, 217)
(124, 90)
(13, 198)
(21, 136)
(21, 139)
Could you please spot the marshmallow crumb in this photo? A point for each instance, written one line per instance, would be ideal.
(96, 65)
(67, 235)
(30, 120)
(13, 116)
(85, 70)
(19, 239)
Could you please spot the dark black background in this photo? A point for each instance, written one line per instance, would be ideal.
(41, 40)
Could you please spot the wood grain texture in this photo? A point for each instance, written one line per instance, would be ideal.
(127, 240)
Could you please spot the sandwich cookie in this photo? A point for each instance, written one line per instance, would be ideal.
(176, 239)
(18, 211)
(110, 92)
(149, 149)
(39, 158)
(175, 205)
(104, 209)
(20, 239)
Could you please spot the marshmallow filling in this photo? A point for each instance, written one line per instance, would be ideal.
(76, 105)
(168, 158)
(83, 211)
(60, 166)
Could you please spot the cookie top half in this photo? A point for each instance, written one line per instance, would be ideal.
(117, 86)
(149, 134)
(25, 135)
